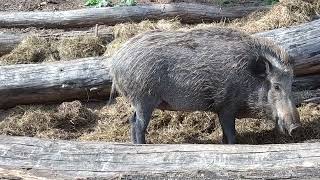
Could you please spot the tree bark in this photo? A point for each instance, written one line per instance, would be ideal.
(71, 159)
(9, 40)
(188, 13)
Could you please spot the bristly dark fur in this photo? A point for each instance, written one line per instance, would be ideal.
(143, 60)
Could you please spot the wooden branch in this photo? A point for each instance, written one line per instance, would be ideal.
(71, 159)
(302, 43)
(9, 40)
(188, 13)
(84, 79)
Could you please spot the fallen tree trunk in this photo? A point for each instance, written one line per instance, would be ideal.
(8, 40)
(302, 43)
(71, 159)
(188, 13)
(85, 79)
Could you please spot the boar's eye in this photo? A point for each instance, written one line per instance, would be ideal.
(277, 87)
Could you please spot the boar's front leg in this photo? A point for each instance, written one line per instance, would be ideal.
(227, 121)
(140, 120)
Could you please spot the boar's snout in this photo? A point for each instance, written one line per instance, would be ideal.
(289, 119)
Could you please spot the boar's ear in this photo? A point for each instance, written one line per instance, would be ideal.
(260, 67)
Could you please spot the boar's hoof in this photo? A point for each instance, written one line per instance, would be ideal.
(295, 130)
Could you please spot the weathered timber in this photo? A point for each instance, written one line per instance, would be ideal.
(59, 159)
(188, 13)
(302, 43)
(84, 79)
(9, 40)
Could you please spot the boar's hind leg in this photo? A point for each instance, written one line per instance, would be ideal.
(227, 121)
(141, 118)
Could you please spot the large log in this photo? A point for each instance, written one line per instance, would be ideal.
(302, 43)
(9, 40)
(59, 159)
(188, 13)
(84, 79)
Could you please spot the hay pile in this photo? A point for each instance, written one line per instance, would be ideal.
(67, 121)
(284, 14)
(35, 49)
(74, 120)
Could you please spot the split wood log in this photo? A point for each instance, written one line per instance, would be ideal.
(85, 79)
(9, 40)
(59, 159)
(188, 13)
(302, 43)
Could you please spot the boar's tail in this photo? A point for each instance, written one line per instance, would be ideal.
(113, 94)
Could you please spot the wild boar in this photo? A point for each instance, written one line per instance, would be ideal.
(220, 70)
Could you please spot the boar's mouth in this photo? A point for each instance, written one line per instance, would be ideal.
(293, 130)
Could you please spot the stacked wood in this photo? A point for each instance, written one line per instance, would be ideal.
(32, 158)
(187, 12)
